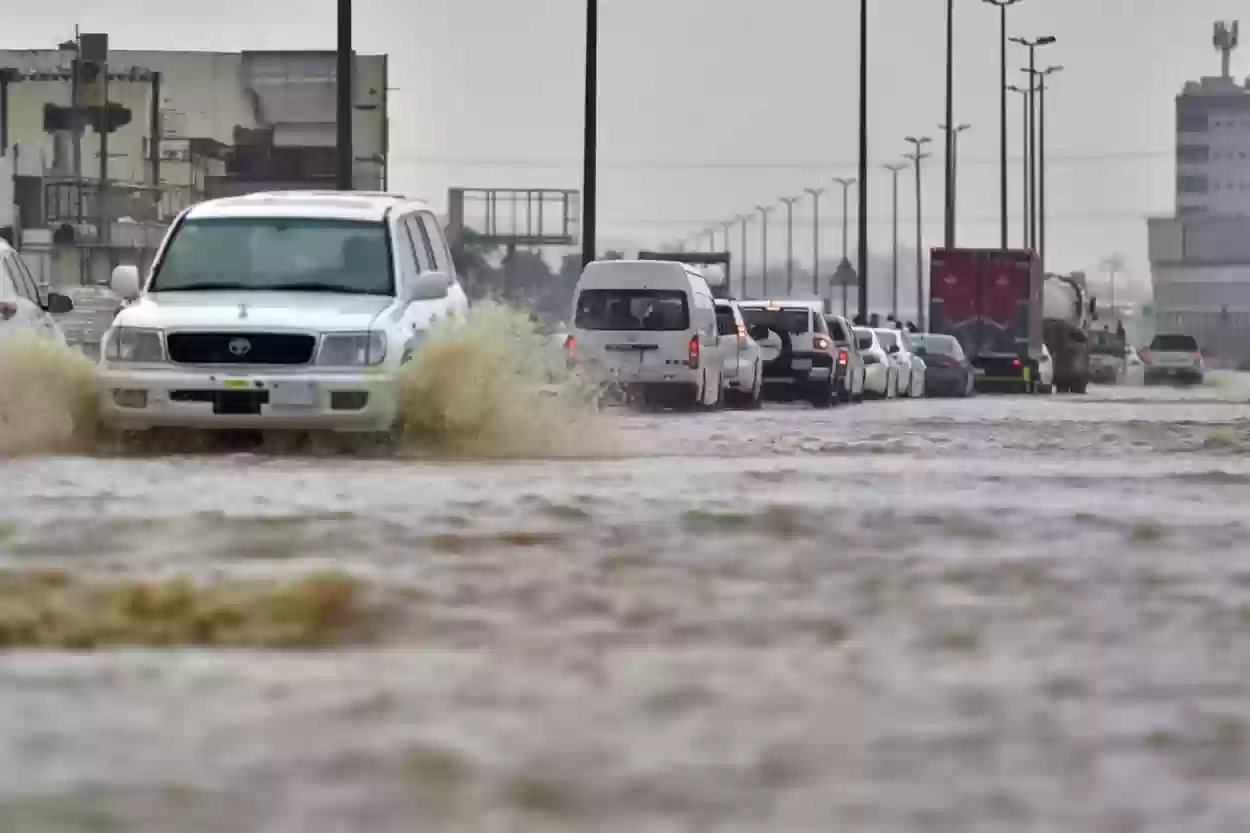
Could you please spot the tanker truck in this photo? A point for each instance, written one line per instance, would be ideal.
(1067, 311)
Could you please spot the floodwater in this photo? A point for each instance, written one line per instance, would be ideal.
(1004, 613)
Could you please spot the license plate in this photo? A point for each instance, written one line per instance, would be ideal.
(293, 395)
(801, 364)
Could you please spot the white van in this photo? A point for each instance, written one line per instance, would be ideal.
(650, 326)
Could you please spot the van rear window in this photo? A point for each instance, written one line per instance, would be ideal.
(632, 309)
(1174, 343)
(795, 321)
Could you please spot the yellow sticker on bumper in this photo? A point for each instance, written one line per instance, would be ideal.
(236, 383)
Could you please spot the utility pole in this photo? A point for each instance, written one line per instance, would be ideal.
(894, 171)
(764, 212)
(846, 184)
(1002, 185)
(1041, 160)
(815, 192)
(917, 157)
(952, 193)
(343, 110)
(711, 239)
(789, 204)
(590, 132)
(863, 162)
(1032, 46)
(744, 219)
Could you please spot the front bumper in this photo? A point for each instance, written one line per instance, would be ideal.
(140, 398)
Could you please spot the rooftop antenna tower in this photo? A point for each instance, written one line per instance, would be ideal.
(1225, 40)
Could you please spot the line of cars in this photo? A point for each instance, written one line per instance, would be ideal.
(657, 334)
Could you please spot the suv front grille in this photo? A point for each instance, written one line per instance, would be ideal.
(241, 348)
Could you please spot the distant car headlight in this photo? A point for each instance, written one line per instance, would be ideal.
(135, 344)
(352, 349)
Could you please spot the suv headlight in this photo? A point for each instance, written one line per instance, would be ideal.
(352, 349)
(135, 344)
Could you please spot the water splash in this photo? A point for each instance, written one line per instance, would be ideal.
(47, 398)
(491, 385)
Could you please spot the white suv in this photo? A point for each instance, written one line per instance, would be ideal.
(797, 350)
(289, 310)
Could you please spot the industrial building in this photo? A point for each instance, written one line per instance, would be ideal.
(1200, 256)
(183, 127)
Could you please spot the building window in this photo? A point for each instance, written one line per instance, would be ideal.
(1193, 153)
(1191, 184)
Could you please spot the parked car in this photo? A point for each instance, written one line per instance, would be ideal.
(849, 370)
(910, 370)
(744, 369)
(1174, 357)
(649, 328)
(948, 371)
(282, 310)
(797, 349)
(26, 308)
(880, 371)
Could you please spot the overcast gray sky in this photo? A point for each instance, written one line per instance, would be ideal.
(710, 107)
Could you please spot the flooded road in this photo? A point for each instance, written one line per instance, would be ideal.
(1005, 613)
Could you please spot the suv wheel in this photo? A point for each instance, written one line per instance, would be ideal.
(823, 396)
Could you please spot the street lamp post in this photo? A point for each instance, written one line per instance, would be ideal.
(917, 157)
(1024, 165)
(764, 211)
(590, 132)
(846, 184)
(343, 98)
(744, 219)
(952, 192)
(863, 164)
(815, 192)
(1002, 185)
(1032, 46)
(1041, 160)
(789, 204)
(894, 170)
(948, 130)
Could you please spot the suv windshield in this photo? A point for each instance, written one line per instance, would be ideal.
(632, 309)
(1177, 343)
(794, 321)
(279, 254)
(863, 339)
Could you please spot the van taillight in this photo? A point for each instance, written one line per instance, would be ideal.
(7, 310)
(693, 360)
(1016, 363)
(742, 333)
(570, 346)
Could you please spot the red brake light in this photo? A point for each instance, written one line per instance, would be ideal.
(570, 346)
(1197, 355)
(693, 360)
(841, 357)
(7, 310)
(1015, 363)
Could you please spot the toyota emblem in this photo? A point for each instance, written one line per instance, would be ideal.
(240, 346)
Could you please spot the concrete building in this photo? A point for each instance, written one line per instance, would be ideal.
(188, 126)
(1200, 256)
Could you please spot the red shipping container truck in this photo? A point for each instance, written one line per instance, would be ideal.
(991, 300)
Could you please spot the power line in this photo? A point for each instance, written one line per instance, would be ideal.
(1073, 216)
(1071, 158)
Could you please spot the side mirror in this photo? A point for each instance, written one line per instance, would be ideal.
(428, 286)
(125, 281)
(759, 332)
(59, 304)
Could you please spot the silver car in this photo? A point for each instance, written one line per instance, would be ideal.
(880, 372)
(744, 373)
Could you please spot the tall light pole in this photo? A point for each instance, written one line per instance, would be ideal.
(1025, 196)
(764, 211)
(952, 192)
(948, 236)
(863, 163)
(343, 99)
(789, 204)
(1041, 160)
(1032, 46)
(846, 184)
(744, 219)
(1002, 185)
(590, 132)
(726, 225)
(711, 239)
(894, 171)
(917, 157)
(815, 192)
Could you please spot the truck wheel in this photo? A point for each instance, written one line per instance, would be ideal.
(1079, 386)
